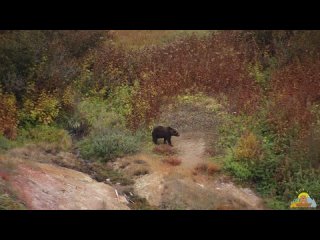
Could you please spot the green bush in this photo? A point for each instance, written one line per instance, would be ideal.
(108, 144)
(5, 143)
(240, 170)
(276, 204)
(120, 100)
(75, 123)
(46, 134)
(98, 114)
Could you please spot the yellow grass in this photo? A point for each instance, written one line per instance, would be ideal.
(140, 38)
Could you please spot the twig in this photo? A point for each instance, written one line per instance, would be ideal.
(117, 194)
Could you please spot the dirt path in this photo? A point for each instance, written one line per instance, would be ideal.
(176, 187)
(191, 149)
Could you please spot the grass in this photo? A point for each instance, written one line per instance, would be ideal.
(45, 134)
(8, 201)
(5, 144)
(135, 39)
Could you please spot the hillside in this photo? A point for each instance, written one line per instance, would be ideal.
(77, 109)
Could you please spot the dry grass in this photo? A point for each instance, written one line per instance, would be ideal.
(173, 161)
(206, 168)
(164, 149)
(141, 38)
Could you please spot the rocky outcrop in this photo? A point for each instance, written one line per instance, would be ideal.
(45, 186)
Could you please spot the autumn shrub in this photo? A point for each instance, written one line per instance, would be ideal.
(214, 64)
(8, 115)
(106, 68)
(43, 109)
(248, 148)
(289, 87)
(69, 98)
(18, 53)
(311, 142)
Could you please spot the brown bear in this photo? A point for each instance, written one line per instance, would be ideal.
(165, 133)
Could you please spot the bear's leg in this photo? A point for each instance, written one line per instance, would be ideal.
(169, 141)
(155, 140)
(164, 140)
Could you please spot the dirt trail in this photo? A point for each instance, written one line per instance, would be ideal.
(176, 187)
(191, 149)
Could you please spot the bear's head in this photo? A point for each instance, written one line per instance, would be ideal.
(173, 132)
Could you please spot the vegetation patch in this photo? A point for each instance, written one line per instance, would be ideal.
(7, 200)
(109, 144)
(45, 134)
(207, 168)
(164, 149)
(173, 161)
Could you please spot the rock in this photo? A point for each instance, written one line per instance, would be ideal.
(150, 187)
(48, 187)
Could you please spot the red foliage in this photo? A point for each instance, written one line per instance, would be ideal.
(213, 65)
(172, 161)
(164, 149)
(4, 176)
(294, 89)
(8, 116)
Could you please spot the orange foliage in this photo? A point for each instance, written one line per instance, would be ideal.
(208, 168)
(172, 161)
(8, 115)
(164, 149)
